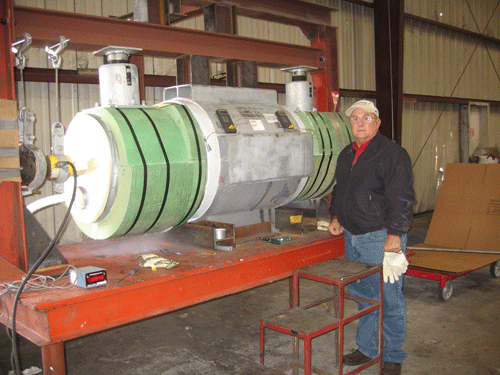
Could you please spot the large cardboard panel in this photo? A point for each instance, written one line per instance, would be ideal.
(466, 217)
(8, 108)
(485, 231)
(450, 262)
(9, 137)
(10, 162)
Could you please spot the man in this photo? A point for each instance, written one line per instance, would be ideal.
(372, 204)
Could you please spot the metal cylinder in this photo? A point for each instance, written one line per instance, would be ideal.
(202, 152)
(119, 85)
(300, 96)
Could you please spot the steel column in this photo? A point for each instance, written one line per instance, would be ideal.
(220, 19)
(326, 81)
(149, 11)
(193, 69)
(12, 234)
(241, 74)
(389, 34)
(7, 85)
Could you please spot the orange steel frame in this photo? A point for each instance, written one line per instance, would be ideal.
(50, 319)
(13, 245)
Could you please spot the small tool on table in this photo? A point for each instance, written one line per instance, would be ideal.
(166, 251)
(276, 240)
(131, 272)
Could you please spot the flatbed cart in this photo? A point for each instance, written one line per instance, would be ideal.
(445, 289)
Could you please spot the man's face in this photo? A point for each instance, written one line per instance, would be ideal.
(364, 125)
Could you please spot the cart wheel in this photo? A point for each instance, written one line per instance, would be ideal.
(495, 269)
(446, 292)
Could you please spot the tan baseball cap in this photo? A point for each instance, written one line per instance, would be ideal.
(365, 105)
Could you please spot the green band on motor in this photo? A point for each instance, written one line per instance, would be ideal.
(331, 133)
(161, 166)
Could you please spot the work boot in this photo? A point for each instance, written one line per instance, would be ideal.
(356, 358)
(391, 368)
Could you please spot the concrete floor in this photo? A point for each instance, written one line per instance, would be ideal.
(460, 336)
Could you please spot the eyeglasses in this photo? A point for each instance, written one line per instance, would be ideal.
(365, 119)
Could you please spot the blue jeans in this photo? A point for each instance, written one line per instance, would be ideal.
(369, 248)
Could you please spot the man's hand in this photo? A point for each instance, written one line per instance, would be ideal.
(335, 228)
(392, 243)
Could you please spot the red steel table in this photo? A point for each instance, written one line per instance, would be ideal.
(50, 317)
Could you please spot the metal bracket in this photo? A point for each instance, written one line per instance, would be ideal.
(17, 49)
(25, 121)
(206, 234)
(299, 71)
(116, 53)
(31, 157)
(54, 52)
(57, 141)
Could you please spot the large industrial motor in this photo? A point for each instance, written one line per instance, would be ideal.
(206, 152)
(203, 153)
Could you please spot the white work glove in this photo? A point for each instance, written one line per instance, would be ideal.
(394, 265)
(322, 225)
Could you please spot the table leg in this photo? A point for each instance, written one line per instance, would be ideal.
(294, 302)
(261, 342)
(53, 359)
(336, 296)
(295, 356)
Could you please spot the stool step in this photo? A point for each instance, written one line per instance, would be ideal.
(259, 370)
(336, 269)
(304, 321)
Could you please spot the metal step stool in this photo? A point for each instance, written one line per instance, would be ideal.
(302, 322)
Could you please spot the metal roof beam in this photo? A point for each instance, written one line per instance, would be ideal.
(90, 33)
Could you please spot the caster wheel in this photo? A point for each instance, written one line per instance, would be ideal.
(446, 292)
(495, 269)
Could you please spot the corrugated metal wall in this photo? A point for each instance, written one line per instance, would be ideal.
(480, 16)
(442, 62)
(437, 62)
(430, 135)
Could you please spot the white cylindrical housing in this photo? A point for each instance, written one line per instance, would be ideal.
(300, 96)
(213, 153)
(119, 85)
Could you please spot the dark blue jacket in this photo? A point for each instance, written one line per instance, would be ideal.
(375, 193)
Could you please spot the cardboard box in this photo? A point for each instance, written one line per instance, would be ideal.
(9, 139)
(8, 108)
(467, 216)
